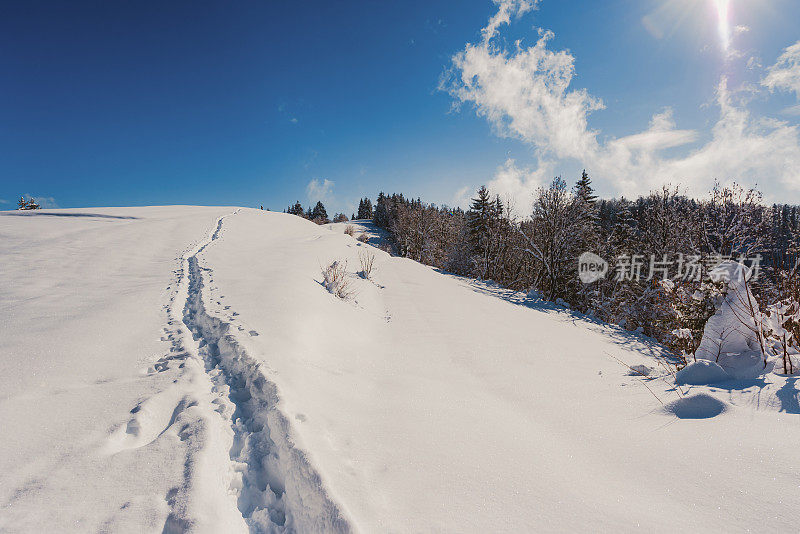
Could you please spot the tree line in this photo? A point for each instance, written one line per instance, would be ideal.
(319, 214)
(657, 246)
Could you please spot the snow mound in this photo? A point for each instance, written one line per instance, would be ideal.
(701, 372)
(745, 365)
(700, 406)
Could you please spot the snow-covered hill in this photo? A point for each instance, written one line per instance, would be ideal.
(180, 369)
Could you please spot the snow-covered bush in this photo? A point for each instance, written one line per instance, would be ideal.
(335, 279)
(350, 230)
(363, 237)
(367, 260)
(734, 336)
(779, 321)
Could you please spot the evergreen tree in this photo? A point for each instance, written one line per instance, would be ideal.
(296, 209)
(584, 191)
(381, 215)
(365, 209)
(21, 204)
(319, 215)
(480, 218)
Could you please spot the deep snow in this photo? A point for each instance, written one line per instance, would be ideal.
(182, 368)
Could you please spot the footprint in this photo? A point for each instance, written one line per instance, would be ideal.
(149, 419)
(253, 333)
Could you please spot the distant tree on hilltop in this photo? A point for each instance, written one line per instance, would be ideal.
(30, 204)
(296, 209)
(319, 215)
(365, 209)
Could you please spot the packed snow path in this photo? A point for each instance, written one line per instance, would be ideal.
(182, 369)
(277, 489)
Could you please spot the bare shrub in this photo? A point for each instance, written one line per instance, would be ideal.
(350, 230)
(335, 279)
(363, 237)
(367, 260)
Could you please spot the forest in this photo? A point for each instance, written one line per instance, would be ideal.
(661, 248)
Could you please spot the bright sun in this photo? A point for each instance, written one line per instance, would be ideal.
(699, 18)
(723, 26)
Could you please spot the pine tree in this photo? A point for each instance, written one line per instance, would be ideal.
(381, 215)
(296, 209)
(584, 191)
(479, 228)
(587, 212)
(478, 218)
(21, 204)
(319, 215)
(365, 208)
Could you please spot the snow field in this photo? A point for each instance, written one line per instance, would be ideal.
(184, 369)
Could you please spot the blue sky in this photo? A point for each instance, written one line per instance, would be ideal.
(249, 103)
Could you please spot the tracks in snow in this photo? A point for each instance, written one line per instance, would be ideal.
(241, 472)
(275, 487)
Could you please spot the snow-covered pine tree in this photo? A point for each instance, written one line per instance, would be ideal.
(584, 191)
(21, 204)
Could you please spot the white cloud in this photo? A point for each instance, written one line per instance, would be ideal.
(741, 148)
(754, 63)
(461, 198)
(506, 9)
(784, 75)
(525, 93)
(320, 190)
(517, 185)
(792, 110)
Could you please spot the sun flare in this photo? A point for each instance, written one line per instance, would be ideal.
(723, 25)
